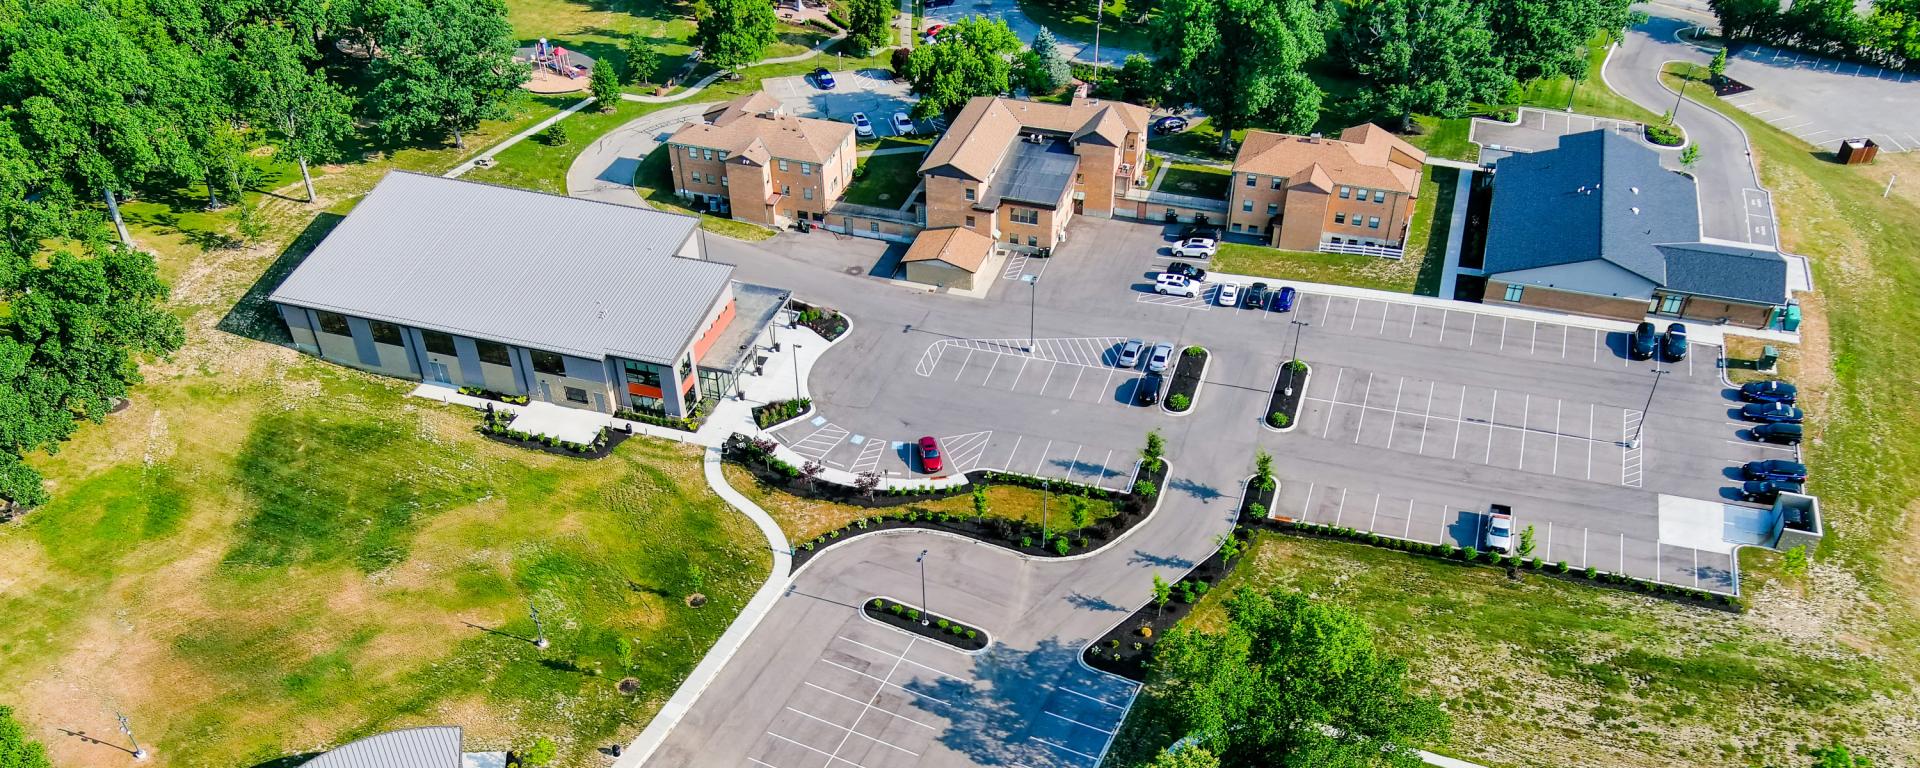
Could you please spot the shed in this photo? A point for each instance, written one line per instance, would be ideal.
(948, 257)
(1857, 151)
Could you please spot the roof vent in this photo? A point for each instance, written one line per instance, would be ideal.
(1636, 210)
(1636, 190)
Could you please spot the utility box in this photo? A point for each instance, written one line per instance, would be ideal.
(1791, 323)
(1857, 151)
(1797, 517)
(1769, 357)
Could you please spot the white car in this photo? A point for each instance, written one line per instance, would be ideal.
(1229, 295)
(862, 127)
(1159, 358)
(1499, 536)
(1196, 248)
(902, 125)
(1169, 284)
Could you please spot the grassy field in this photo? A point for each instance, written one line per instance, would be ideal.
(1419, 272)
(1196, 180)
(885, 180)
(1119, 27)
(1546, 672)
(802, 519)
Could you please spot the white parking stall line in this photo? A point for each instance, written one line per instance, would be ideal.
(963, 365)
(1008, 464)
(850, 731)
(991, 369)
(1064, 689)
(902, 656)
(831, 758)
(1492, 412)
(1048, 381)
(869, 457)
(1065, 748)
(1356, 315)
(1081, 371)
(1364, 397)
(1526, 413)
(1334, 409)
(1426, 419)
(1384, 306)
(1590, 412)
(1459, 422)
(758, 761)
(896, 715)
(1394, 424)
(1023, 372)
(1557, 407)
(1043, 459)
(1081, 724)
(888, 684)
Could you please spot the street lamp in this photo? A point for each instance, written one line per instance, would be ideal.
(126, 728)
(1046, 488)
(796, 369)
(924, 609)
(1679, 98)
(1657, 373)
(1297, 325)
(1033, 302)
(539, 631)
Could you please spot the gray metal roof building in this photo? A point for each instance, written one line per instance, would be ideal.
(544, 271)
(436, 746)
(1602, 197)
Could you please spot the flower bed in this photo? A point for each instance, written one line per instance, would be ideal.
(1664, 136)
(907, 617)
(828, 323)
(755, 455)
(1125, 649)
(780, 410)
(497, 397)
(1187, 375)
(1283, 408)
(686, 424)
(498, 426)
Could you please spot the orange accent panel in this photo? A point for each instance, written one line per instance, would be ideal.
(644, 390)
(719, 326)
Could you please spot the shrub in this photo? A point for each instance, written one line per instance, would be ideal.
(1145, 489)
(972, 634)
(1469, 554)
(1278, 420)
(1026, 541)
(555, 135)
(944, 623)
(879, 604)
(1560, 567)
(1663, 135)
(1257, 509)
(1296, 365)
(954, 628)
(1193, 351)
(1591, 572)
(1114, 643)
(898, 609)
(1179, 402)
(1146, 630)
(1201, 588)
(1060, 545)
(913, 613)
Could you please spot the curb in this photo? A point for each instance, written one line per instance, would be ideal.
(1194, 404)
(1295, 421)
(923, 609)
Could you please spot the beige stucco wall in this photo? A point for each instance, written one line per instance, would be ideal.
(393, 361)
(941, 274)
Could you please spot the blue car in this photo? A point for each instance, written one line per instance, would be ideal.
(1772, 413)
(823, 78)
(1777, 470)
(1283, 299)
(1768, 392)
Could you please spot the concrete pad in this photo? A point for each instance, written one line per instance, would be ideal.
(561, 423)
(1696, 523)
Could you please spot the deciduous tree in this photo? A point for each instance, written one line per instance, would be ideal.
(734, 33)
(444, 66)
(1185, 757)
(1431, 57)
(969, 60)
(16, 749)
(872, 22)
(642, 60)
(309, 117)
(1242, 61)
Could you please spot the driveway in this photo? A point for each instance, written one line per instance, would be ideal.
(1823, 100)
(1420, 414)
(873, 91)
(604, 170)
(1733, 203)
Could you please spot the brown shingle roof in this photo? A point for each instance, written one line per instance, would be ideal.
(959, 246)
(1364, 156)
(979, 135)
(745, 120)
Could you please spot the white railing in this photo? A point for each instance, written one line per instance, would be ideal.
(1385, 252)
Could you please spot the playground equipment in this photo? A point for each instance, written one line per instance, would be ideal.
(558, 61)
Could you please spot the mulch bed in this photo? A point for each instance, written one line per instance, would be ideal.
(1729, 87)
(931, 630)
(827, 322)
(1124, 651)
(599, 451)
(1186, 379)
(1262, 498)
(1280, 402)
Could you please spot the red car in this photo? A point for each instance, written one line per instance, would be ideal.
(930, 461)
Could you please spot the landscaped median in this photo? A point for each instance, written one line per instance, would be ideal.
(1289, 390)
(1188, 375)
(909, 618)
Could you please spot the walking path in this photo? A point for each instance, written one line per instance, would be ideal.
(915, 150)
(605, 170)
(461, 169)
(1456, 233)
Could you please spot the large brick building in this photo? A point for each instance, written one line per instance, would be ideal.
(1598, 227)
(749, 160)
(1017, 171)
(1299, 192)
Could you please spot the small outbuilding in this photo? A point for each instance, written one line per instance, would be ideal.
(1857, 151)
(949, 257)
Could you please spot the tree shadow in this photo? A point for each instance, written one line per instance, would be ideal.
(1142, 557)
(1205, 493)
(997, 718)
(289, 761)
(253, 316)
(500, 632)
(1093, 603)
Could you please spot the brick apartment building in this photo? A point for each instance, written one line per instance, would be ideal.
(749, 160)
(1299, 192)
(1017, 171)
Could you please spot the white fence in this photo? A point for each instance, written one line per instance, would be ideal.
(1385, 252)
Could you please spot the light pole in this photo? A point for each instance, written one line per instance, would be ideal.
(539, 631)
(1099, 18)
(1679, 98)
(1033, 302)
(924, 610)
(1297, 325)
(127, 728)
(796, 369)
(1657, 373)
(1046, 494)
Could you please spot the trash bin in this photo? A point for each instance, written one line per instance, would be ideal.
(1792, 323)
(1769, 357)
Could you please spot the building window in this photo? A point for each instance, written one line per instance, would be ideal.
(1033, 241)
(1360, 194)
(385, 333)
(786, 189)
(1345, 191)
(1172, 214)
(1079, 178)
(721, 156)
(783, 165)
(693, 153)
(1253, 229)
(1670, 303)
(644, 374)
(1339, 218)
(645, 404)
(335, 324)
(1373, 222)
(1379, 195)
(873, 226)
(1246, 205)
(807, 193)
(1273, 209)
(806, 169)
(1252, 180)
(723, 181)
(1277, 181)
(970, 223)
(1024, 215)
(696, 177)
(438, 343)
(548, 362)
(493, 352)
(1514, 291)
(576, 395)
(1013, 238)
(706, 154)
(686, 366)
(969, 193)
(1236, 227)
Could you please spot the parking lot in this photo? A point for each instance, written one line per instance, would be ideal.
(877, 697)
(872, 91)
(1825, 100)
(1534, 130)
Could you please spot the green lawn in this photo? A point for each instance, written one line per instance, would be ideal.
(1418, 272)
(539, 165)
(1196, 180)
(654, 181)
(1548, 672)
(885, 180)
(1590, 97)
(1200, 139)
(1119, 26)
(1445, 137)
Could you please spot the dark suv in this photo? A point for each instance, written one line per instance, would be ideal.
(1781, 432)
(1643, 343)
(1255, 296)
(1777, 470)
(1674, 344)
(1147, 390)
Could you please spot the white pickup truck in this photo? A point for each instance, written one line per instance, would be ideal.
(1499, 536)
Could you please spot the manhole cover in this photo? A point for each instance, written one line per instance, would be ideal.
(853, 270)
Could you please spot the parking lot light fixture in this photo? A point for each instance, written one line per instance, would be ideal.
(139, 753)
(796, 369)
(1297, 325)
(1033, 301)
(925, 611)
(1657, 373)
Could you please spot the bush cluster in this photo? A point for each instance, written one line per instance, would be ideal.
(661, 420)
(495, 396)
(913, 614)
(779, 411)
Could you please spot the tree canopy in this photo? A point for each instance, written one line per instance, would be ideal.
(734, 33)
(16, 749)
(1293, 682)
(445, 65)
(1544, 38)
(1044, 65)
(872, 22)
(970, 59)
(1242, 61)
(1432, 57)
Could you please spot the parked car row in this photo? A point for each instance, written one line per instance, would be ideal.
(1155, 357)
(1770, 404)
(1646, 342)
